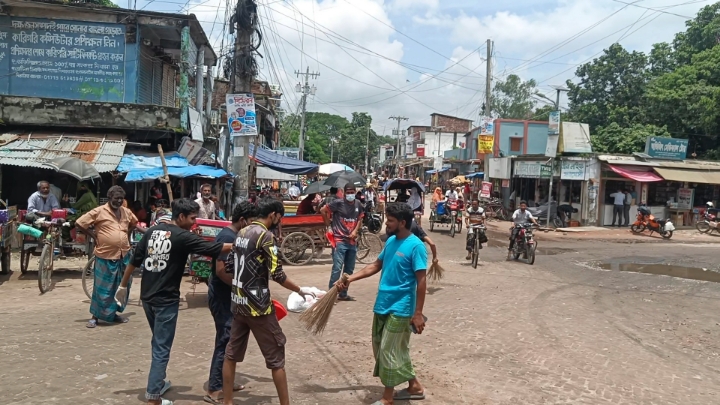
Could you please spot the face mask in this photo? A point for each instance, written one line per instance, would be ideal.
(350, 197)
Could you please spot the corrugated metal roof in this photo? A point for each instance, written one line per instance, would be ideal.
(102, 151)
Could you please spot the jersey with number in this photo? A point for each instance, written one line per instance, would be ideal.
(253, 264)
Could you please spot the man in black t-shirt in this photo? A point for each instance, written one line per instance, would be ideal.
(219, 291)
(163, 253)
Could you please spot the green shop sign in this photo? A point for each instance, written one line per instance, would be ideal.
(666, 148)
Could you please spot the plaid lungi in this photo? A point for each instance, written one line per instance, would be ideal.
(108, 274)
(391, 347)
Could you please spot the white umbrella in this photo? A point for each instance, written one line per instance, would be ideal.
(74, 167)
(330, 168)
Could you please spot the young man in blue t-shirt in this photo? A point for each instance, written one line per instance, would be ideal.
(398, 306)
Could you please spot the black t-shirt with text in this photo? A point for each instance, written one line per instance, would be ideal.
(163, 253)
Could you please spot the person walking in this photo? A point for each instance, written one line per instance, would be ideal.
(253, 264)
(618, 206)
(111, 224)
(163, 254)
(347, 215)
(399, 304)
(219, 292)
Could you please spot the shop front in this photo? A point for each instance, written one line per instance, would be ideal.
(531, 181)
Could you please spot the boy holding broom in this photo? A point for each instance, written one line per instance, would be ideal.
(398, 306)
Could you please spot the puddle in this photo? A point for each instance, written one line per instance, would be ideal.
(690, 273)
(553, 251)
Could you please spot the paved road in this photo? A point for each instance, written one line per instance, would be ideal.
(561, 331)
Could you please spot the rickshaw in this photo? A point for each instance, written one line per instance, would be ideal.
(201, 266)
(8, 229)
(447, 213)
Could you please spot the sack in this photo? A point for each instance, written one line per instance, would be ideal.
(297, 303)
(483, 237)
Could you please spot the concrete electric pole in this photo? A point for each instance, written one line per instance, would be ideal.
(245, 20)
(488, 101)
(305, 90)
(398, 133)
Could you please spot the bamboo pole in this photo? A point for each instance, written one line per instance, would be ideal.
(166, 178)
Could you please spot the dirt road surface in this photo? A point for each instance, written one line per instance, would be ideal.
(581, 326)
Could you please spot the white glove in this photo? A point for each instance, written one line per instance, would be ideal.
(305, 291)
(121, 296)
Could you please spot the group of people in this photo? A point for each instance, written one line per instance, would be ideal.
(622, 201)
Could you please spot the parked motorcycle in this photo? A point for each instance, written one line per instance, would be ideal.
(708, 223)
(646, 221)
(524, 243)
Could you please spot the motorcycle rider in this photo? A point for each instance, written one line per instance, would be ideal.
(474, 215)
(520, 216)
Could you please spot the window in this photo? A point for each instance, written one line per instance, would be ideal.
(515, 144)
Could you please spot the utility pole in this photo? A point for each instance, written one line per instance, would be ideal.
(488, 100)
(241, 82)
(367, 150)
(552, 159)
(398, 119)
(305, 90)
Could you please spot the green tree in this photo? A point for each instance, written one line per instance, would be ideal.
(512, 98)
(623, 140)
(701, 34)
(543, 113)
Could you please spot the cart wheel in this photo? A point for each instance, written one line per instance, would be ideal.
(5, 261)
(45, 268)
(369, 247)
(88, 277)
(297, 248)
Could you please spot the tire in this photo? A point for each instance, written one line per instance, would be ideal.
(5, 261)
(475, 253)
(558, 223)
(459, 226)
(530, 253)
(703, 227)
(516, 255)
(452, 227)
(667, 234)
(371, 247)
(637, 228)
(88, 277)
(297, 249)
(24, 261)
(45, 268)
(432, 225)
(375, 226)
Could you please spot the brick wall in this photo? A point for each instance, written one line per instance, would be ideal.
(416, 131)
(221, 88)
(451, 124)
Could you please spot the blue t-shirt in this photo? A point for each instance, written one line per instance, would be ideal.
(397, 292)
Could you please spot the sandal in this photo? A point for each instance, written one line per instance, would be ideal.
(211, 400)
(91, 323)
(405, 395)
(120, 319)
(346, 298)
(238, 387)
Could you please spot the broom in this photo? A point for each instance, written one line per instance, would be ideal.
(436, 272)
(316, 317)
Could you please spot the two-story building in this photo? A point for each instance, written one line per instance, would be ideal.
(89, 81)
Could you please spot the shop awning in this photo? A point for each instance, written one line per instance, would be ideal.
(475, 175)
(103, 151)
(690, 176)
(282, 163)
(636, 175)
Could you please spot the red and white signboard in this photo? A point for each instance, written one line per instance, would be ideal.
(420, 150)
(486, 189)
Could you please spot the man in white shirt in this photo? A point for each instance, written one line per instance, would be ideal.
(294, 192)
(207, 206)
(451, 195)
(520, 216)
(618, 207)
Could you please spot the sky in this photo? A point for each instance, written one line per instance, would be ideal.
(412, 58)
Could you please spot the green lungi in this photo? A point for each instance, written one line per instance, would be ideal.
(391, 347)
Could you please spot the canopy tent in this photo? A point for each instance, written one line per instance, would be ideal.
(475, 175)
(282, 163)
(635, 174)
(149, 167)
(330, 168)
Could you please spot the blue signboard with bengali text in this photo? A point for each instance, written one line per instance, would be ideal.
(666, 148)
(62, 59)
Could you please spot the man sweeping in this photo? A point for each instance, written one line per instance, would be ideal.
(398, 306)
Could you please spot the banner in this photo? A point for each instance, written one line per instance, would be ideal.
(554, 123)
(420, 150)
(666, 148)
(486, 189)
(485, 144)
(487, 126)
(241, 114)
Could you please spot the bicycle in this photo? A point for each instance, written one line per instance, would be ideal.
(368, 243)
(475, 230)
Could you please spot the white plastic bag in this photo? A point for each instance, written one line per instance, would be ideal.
(296, 302)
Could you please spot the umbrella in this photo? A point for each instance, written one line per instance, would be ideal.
(317, 187)
(330, 168)
(340, 179)
(74, 167)
(403, 184)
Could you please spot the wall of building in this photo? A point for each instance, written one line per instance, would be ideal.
(446, 143)
(451, 124)
(537, 135)
(532, 135)
(507, 131)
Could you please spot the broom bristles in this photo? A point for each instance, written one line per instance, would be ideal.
(315, 318)
(436, 272)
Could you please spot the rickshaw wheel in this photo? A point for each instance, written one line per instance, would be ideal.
(45, 268)
(297, 248)
(88, 277)
(5, 260)
(24, 261)
(432, 220)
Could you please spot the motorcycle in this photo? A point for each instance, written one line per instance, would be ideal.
(455, 207)
(645, 220)
(708, 223)
(524, 243)
(372, 219)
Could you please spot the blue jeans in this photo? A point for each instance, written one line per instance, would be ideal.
(220, 309)
(163, 321)
(343, 262)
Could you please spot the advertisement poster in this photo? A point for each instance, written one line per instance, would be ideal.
(241, 114)
(685, 198)
(485, 143)
(505, 183)
(486, 189)
(554, 123)
(487, 126)
(420, 150)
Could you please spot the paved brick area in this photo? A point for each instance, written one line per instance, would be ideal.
(561, 331)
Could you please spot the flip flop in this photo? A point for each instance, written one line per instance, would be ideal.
(238, 387)
(91, 323)
(405, 395)
(346, 298)
(211, 400)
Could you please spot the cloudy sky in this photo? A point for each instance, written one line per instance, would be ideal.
(416, 57)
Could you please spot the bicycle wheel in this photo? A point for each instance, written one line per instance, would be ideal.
(45, 268)
(88, 277)
(369, 247)
(476, 252)
(452, 227)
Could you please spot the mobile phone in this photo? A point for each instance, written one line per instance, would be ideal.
(412, 325)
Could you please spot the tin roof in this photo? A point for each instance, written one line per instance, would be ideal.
(103, 151)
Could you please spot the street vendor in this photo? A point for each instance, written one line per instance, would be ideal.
(111, 224)
(42, 202)
(85, 201)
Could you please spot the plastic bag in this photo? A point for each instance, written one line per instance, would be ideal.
(296, 302)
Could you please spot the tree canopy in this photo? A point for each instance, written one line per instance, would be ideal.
(512, 98)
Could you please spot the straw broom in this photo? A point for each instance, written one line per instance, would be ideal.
(316, 317)
(436, 272)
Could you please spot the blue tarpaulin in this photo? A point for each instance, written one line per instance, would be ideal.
(282, 163)
(444, 169)
(146, 168)
(474, 175)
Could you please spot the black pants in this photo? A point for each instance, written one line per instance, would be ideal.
(626, 211)
(219, 303)
(618, 212)
(513, 235)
